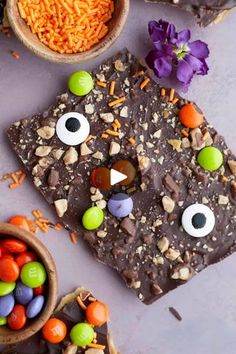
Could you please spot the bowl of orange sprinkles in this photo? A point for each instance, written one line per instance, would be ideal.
(67, 31)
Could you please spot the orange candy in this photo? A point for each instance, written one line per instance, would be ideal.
(17, 318)
(9, 270)
(14, 245)
(20, 221)
(54, 330)
(190, 117)
(97, 313)
(25, 257)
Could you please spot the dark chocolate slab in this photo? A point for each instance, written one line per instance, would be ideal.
(2, 5)
(70, 313)
(206, 11)
(166, 166)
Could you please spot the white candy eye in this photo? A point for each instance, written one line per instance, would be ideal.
(72, 128)
(198, 220)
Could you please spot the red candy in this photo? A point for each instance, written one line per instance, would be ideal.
(14, 246)
(17, 318)
(9, 270)
(100, 178)
(25, 257)
(39, 290)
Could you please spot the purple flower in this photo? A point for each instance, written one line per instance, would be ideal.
(173, 51)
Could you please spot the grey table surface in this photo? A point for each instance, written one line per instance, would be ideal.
(208, 302)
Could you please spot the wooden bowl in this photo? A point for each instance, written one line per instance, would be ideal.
(32, 42)
(8, 336)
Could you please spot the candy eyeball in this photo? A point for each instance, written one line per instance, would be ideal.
(72, 128)
(198, 220)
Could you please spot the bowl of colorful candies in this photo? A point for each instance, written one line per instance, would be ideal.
(28, 284)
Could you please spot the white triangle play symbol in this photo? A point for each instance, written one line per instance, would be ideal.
(116, 177)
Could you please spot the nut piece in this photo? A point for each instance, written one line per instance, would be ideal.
(89, 108)
(98, 155)
(93, 351)
(176, 144)
(198, 141)
(223, 200)
(107, 117)
(182, 272)
(101, 234)
(71, 349)
(42, 151)
(156, 290)
(57, 153)
(84, 150)
(172, 254)
(71, 156)
(168, 204)
(144, 163)
(61, 206)
(46, 132)
(38, 171)
(124, 112)
(119, 65)
(232, 166)
(163, 244)
(114, 148)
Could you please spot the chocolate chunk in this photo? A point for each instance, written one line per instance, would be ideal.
(171, 185)
(53, 178)
(200, 177)
(128, 226)
(148, 239)
(155, 289)
(175, 313)
(130, 276)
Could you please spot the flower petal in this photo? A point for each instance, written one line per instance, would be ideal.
(184, 36)
(199, 66)
(184, 72)
(199, 49)
(160, 64)
(156, 32)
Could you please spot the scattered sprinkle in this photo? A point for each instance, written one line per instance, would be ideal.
(74, 237)
(163, 92)
(144, 83)
(101, 84)
(116, 102)
(112, 87)
(15, 54)
(171, 95)
(175, 313)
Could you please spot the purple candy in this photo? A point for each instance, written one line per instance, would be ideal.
(23, 294)
(6, 305)
(35, 306)
(120, 205)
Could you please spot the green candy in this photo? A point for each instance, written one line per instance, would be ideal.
(210, 158)
(33, 274)
(93, 218)
(80, 83)
(6, 288)
(82, 334)
(3, 321)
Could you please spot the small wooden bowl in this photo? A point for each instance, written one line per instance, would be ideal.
(8, 336)
(32, 42)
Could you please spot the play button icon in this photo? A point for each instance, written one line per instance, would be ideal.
(116, 177)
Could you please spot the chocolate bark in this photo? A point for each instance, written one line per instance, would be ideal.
(70, 313)
(2, 5)
(149, 249)
(205, 11)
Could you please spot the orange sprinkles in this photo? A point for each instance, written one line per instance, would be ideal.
(71, 26)
(17, 178)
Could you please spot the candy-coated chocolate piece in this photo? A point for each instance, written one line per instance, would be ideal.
(93, 218)
(33, 274)
(82, 334)
(9, 270)
(198, 220)
(6, 305)
(80, 83)
(35, 306)
(39, 290)
(97, 313)
(120, 205)
(23, 294)
(6, 288)
(100, 178)
(8, 256)
(3, 321)
(54, 330)
(20, 221)
(72, 128)
(14, 245)
(17, 318)
(210, 158)
(25, 257)
(127, 168)
(190, 117)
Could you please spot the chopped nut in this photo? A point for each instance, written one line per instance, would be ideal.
(197, 139)
(61, 206)
(136, 285)
(46, 132)
(84, 150)
(185, 143)
(57, 153)
(144, 163)
(208, 139)
(43, 151)
(156, 290)
(101, 204)
(114, 148)
(124, 112)
(119, 66)
(107, 117)
(157, 223)
(232, 166)
(182, 272)
(163, 244)
(101, 234)
(98, 155)
(45, 161)
(223, 200)
(176, 144)
(38, 171)
(71, 156)
(168, 204)
(158, 260)
(172, 254)
(71, 349)
(89, 108)
(93, 351)
(157, 134)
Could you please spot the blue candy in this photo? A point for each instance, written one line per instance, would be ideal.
(35, 306)
(23, 294)
(120, 205)
(6, 305)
